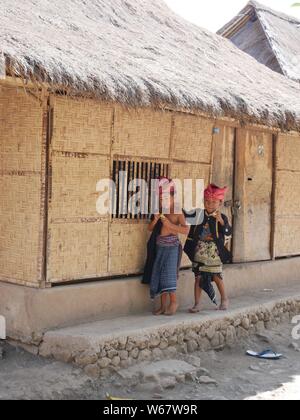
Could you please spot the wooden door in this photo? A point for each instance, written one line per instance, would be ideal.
(253, 196)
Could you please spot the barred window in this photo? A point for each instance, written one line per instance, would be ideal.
(132, 178)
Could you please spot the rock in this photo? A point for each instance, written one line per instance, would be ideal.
(162, 369)
(203, 372)
(193, 360)
(151, 377)
(210, 332)
(134, 353)
(237, 322)
(116, 361)
(92, 370)
(190, 377)
(64, 356)
(230, 335)
(112, 353)
(86, 359)
(168, 383)
(145, 355)
(142, 342)
(123, 354)
(129, 346)
(216, 341)
(164, 344)
(254, 319)
(173, 340)
(246, 323)
(122, 342)
(181, 379)
(192, 346)
(154, 341)
(180, 339)
(206, 380)
(104, 362)
(191, 335)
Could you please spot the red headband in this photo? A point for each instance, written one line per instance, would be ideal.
(166, 185)
(213, 192)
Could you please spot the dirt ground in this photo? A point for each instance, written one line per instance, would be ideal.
(228, 374)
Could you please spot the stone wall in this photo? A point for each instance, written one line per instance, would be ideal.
(102, 357)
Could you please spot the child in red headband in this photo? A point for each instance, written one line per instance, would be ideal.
(206, 248)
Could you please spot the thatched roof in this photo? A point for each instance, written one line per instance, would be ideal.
(138, 52)
(282, 33)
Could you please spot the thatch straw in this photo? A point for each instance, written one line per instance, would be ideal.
(139, 53)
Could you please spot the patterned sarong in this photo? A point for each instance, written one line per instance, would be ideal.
(165, 269)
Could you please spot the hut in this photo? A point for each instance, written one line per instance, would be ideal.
(272, 38)
(108, 85)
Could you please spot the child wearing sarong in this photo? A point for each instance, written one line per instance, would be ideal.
(209, 253)
(168, 253)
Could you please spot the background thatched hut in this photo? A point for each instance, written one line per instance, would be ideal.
(271, 37)
(114, 84)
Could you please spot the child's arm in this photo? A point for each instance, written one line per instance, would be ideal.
(227, 229)
(223, 220)
(153, 222)
(182, 228)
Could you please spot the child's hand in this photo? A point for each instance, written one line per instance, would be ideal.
(219, 217)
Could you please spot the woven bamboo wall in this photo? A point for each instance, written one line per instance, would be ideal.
(144, 133)
(80, 148)
(192, 140)
(22, 157)
(127, 247)
(287, 208)
(86, 138)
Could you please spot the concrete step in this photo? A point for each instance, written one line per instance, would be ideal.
(118, 343)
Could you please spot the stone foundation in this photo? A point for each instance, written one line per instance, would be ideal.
(101, 356)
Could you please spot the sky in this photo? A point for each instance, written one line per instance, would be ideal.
(213, 14)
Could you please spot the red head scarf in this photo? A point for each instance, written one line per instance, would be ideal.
(213, 192)
(166, 185)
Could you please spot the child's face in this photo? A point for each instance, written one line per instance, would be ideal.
(167, 202)
(212, 205)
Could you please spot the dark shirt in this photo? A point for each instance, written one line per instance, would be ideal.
(218, 232)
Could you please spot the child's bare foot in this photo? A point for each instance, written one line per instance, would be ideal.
(159, 312)
(172, 309)
(224, 305)
(195, 309)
